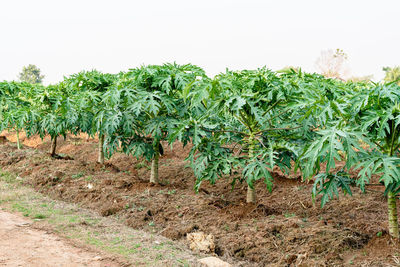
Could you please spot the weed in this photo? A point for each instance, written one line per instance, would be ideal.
(171, 192)
(141, 164)
(226, 227)
(39, 216)
(77, 175)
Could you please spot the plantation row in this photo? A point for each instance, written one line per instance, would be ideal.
(242, 124)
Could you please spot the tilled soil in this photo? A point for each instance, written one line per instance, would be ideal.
(22, 245)
(284, 228)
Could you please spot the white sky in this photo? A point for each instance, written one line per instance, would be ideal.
(64, 37)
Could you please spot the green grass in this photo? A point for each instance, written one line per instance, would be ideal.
(78, 175)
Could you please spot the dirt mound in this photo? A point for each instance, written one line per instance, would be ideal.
(285, 228)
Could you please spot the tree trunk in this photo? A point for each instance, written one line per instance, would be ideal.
(53, 146)
(154, 164)
(101, 149)
(251, 192)
(18, 141)
(392, 210)
(251, 195)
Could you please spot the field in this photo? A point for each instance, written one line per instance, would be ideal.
(284, 227)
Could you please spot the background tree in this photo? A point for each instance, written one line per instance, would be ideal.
(331, 63)
(31, 74)
(392, 74)
(365, 78)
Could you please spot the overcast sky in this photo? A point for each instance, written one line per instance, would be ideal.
(64, 37)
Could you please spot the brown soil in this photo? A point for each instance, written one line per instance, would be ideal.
(285, 228)
(22, 245)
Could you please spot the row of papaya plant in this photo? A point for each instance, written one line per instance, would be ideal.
(243, 125)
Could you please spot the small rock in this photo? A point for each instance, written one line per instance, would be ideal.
(213, 262)
(97, 258)
(201, 242)
(22, 224)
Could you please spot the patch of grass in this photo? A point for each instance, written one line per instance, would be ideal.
(39, 216)
(6, 177)
(78, 175)
(289, 215)
(159, 257)
(171, 192)
(20, 208)
(142, 164)
(89, 178)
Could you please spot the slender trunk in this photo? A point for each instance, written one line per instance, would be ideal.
(251, 195)
(18, 141)
(53, 146)
(101, 149)
(392, 210)
(251, 192)
(154, 164)
(392, 200)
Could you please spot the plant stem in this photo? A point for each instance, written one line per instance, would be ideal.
(393, 139)
(154, 164)
(101, 149)
(53, 146)
(278, 129)
(251, 195)
(18, 141)
(392, 211)
(271, 107)
(251, 192)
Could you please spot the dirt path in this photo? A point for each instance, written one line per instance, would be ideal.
(22, 245)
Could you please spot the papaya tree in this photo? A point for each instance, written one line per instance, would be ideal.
(57, 114)
(86, 91)
(16, 107)
(150, 103)
(248, 126)
(372, 117)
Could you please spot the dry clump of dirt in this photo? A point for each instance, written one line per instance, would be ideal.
(285, 228)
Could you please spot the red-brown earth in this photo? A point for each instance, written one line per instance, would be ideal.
(284, 228)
